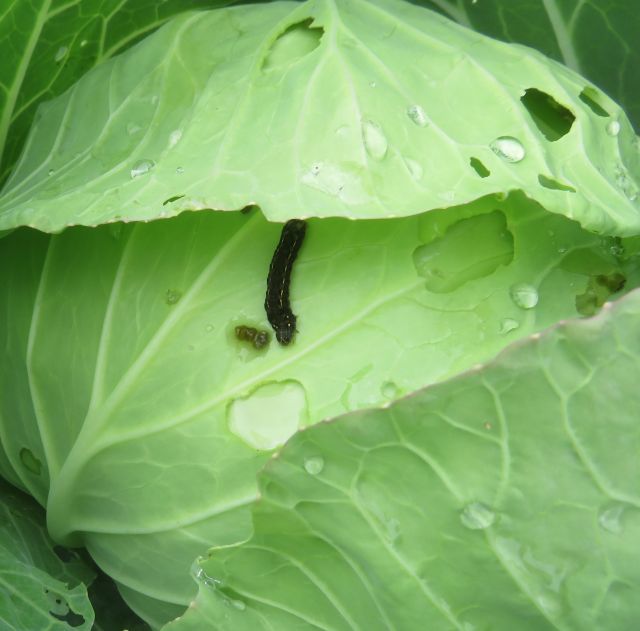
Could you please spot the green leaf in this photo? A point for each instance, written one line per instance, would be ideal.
(47, 45)
(145, 439)
(357, 109)
(42, 586)
(506, 498)
(599, 42)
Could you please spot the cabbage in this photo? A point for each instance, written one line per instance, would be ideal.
(460, 194)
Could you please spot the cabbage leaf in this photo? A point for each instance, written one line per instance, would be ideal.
(148, 381)
(506, 498)
(355, 109)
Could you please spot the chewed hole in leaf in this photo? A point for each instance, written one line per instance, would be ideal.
(470, 249)
(170, 200)
(590, 97)
(552, 119)
(297, 41)
(479, 167)
(60, 610)
(600, 288)
(554, 185)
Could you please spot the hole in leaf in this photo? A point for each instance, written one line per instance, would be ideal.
(72, 618)
(554, 185)
(590, 97)
(175, 198)
(479, 167)
(469, 250)
(599, 289)
(295, 42)
(552, 119)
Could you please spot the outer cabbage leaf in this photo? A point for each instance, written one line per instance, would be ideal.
(595, 39)
(42, 586)
(357, 109)
(506, 498)
(46, 45)
(131, 411)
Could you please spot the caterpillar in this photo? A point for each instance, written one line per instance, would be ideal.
(276, 302)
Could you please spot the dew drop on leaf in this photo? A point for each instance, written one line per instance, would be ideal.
(142, 167)
(610, 519)
(174, 137)
(239, 605)
(314, 465)
(524, 295)
(179, 170)
(508, 148)
(61, 53)
(133, 128)
(415, 169)
(477, 516)
(375, 142)
(507, 325)
(390, 390)
(417, 114)
(613, 128)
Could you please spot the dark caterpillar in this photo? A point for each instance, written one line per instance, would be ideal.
(276, 303)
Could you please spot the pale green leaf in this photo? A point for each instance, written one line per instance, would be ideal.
(357, 109)
(47, 45)
(506, 498)
(131, 409)
(596, 39)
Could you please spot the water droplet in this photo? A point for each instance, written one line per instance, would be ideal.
(625, 183)
(346, 184)
(172, 296)
(610, 519)
(417, 114)
(613, 128)
(83, 43)
(239, 604)
(563, 249)
(200, 575)
(141, 168)
(208, 328)
(174, 137)
(179, 170)
(507, 325)
(372, 84)
(524, 296)
(390, 390)
(270, 415)
(477, 516)
(50, 172)
(133, 128)
(375, 142)
(61, 53)
(30, 462)
(415, 168)
(508, 148)
(314, 465)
